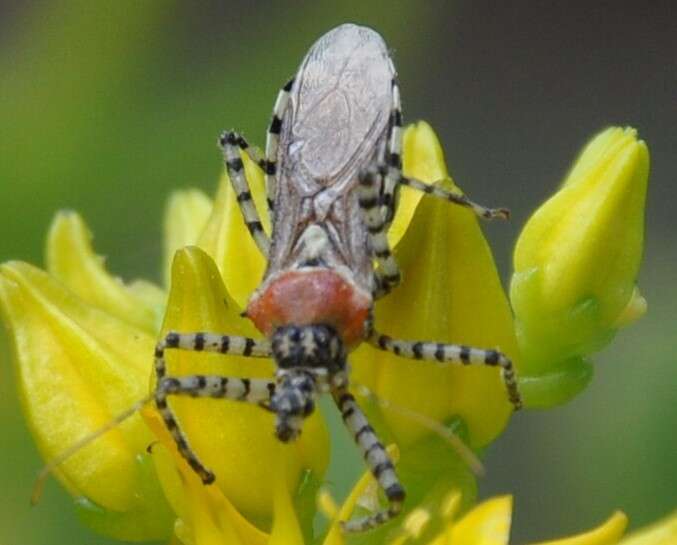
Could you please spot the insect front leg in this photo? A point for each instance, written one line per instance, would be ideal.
(272, 143)
(215, 386)
(387, 274)
(232, 143)
(391, 169)
(254, 152)
(377, 459)
(452, 353)
(250, 390)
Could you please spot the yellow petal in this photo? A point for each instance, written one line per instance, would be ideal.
(186, 215)
(663, 532)
(450, 292)
(227, 240)
(423, 158)
(77, 367)
(487, 524)
(286, 529)
(607, 534)
(633, 311)
(235, 440)
(206, 516)
(152, 295)
(71, 260)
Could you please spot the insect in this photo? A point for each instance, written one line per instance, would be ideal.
(333, 170)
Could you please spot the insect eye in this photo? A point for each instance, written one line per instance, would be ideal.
(295, 334)
(321, 337)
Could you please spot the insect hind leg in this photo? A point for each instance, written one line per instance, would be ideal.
(232, 143)
(377, 459)
(444, 353)
(249, 390)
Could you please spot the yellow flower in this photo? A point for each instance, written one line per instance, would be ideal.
(576, 264)
(488, 523)
(451, 292)
(81, 340)
(663, 532)
(83, 343)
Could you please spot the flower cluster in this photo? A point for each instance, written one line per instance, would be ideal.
(83, 340)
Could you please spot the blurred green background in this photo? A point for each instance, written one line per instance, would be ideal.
(105, 107)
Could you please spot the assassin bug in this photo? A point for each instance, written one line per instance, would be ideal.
(333, 170)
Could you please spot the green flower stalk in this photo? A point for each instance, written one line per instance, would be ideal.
(576, 264)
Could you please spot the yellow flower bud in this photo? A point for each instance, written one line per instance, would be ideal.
(662, 532)
(577, 259)
(186, 215)
(81, 357)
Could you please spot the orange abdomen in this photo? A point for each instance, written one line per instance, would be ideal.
(316, 296)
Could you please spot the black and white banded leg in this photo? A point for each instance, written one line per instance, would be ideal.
(272, 143)
(387, 274)
(392, 169)
(249, 390)
(376, 457)
(254, 152)
(377, 199)
(452, 353)
(232, 143)
(456, 198)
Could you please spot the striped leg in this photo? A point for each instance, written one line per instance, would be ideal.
(231, 143)
(254, 152)
(272, 141)
(214, 386)
(377, 199)
(376, 458)
(456, 198)
(251, 390)
(452, 353)
(387, 274)
(392, 170)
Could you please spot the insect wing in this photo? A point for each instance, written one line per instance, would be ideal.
(335, 125)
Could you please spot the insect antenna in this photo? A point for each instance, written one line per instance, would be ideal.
(50, 466)
(464, 452)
